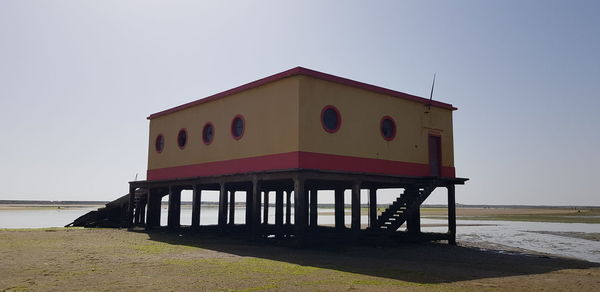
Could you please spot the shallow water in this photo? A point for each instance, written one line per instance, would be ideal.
(508, 233)
(41, 218)
(523, 235)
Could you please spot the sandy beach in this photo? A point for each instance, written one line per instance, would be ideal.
(110, 259)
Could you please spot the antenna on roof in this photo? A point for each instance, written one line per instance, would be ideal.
(428, 105)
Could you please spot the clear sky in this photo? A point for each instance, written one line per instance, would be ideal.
(79, 78)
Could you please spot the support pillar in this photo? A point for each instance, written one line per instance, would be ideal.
(339, 209)
(300, 210)
(196, 205)
(372, 207)
(451, 215)
(136, 213)
(143, 213)
(266, 208)
(356, 206)
(232, 207)
(131, 207)
(288, 207)
(222, 221)
(249, 207)
(279, 211)
(313, 215)
(413, 221)
(154, 208)
(150, 210)
(256, 227)
(174, 207)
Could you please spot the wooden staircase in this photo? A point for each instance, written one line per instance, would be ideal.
(112, 215)
(401, 209)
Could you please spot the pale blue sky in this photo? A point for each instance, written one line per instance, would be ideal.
(78, 78)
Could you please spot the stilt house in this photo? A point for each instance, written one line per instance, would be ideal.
(299, 132)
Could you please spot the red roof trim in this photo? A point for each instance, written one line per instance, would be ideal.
(307, 72)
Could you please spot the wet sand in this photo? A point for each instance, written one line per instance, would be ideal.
(529, 214)
(109, 259)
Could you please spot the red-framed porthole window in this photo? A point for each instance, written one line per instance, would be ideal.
(387, 127)
(331, 120)
(238, 126)
(208, 133)
(159, 143)
(182, 138)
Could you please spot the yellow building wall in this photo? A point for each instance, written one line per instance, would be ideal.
(361, 112)
(271, 126)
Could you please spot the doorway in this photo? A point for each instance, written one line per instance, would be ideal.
(435, 155)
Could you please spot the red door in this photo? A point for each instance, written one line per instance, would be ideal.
(435, 155)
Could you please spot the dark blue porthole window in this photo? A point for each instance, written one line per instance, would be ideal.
(208, 133)
(159, 143)
(387, 127)
(238, 127)
(182, 138)
(331, 120)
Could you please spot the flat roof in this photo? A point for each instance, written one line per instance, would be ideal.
(307, 72)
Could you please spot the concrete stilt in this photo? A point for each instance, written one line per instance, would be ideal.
(288, 207)
(279, 212)
(154, 205)
(222, 221)
(266, 208)
(355, 206)
(372, 207)
(143, 213)
(451, 215)
(339, 209)
(249, 207)
(136, 213)
(130, 210)
(174, 214)
(300, 210)
(313, 215)
(150, 209)
(196, 206)
(232, 207)
(413, 221)
(256, 226)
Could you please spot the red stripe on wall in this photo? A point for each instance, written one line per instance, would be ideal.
(369, 165)
(261, 163)
(294, 160)
(448, 171)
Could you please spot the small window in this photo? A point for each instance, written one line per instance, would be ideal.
(237, 127)
(388, 128)
(208, 133)
(159, 143)
(181, 138)
(331, 119)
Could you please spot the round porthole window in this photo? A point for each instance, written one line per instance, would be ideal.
(237, 127)
(388, 128)
(181, 138)
(208, 133)
(331, 119)
(159, 143)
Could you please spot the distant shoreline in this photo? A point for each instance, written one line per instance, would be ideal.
(97, 203)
